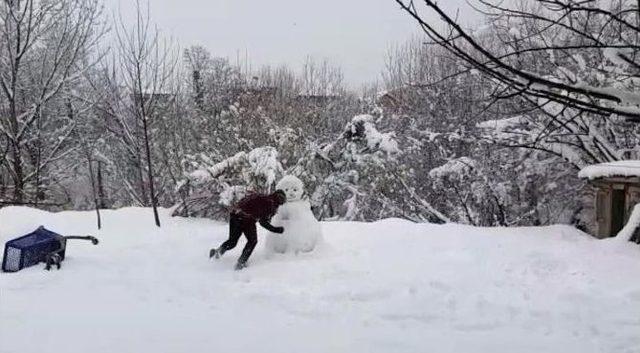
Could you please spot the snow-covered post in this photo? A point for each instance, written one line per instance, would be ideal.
(631, 230)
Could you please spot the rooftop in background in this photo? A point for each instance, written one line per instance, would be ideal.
(611, 169)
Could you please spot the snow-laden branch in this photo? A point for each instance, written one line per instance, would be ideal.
(362, 126)
(207, 174)
(422, 203)
(482, 58)
(262, 162)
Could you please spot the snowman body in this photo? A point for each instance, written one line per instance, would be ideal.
(302, 232)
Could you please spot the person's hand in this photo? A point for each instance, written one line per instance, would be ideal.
(279, 230)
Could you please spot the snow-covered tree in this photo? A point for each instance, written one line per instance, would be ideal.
(46, 47)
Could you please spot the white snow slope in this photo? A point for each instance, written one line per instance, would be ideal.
(388, 286)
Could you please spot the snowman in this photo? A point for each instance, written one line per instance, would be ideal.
(302, 231)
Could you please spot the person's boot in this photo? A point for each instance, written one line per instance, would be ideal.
(240, 265)
(215, 253)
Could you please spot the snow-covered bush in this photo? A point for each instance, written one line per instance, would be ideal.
(363, 127)
(210, 188)
(350, 175)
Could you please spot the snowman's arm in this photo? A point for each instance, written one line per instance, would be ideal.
(264, 222)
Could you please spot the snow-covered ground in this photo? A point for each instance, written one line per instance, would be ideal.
(389, 286)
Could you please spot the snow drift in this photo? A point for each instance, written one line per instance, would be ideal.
(388, 286)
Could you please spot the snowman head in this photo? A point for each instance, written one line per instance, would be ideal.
(292, 187)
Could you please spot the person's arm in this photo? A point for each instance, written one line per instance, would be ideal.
(266, 225)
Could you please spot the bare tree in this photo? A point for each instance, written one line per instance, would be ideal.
(214, 82)
(88, 150)
(282, 78)
(198, 60)
(321, 79)
(145, 66)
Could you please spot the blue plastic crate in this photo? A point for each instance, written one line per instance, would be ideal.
(31, 249)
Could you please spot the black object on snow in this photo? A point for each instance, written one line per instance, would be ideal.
(41, 245)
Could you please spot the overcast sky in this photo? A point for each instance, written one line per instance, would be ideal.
(354, 34)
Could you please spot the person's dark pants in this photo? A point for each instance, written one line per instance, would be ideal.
(237, 227)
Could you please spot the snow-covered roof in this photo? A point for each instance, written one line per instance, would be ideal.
(611, 169)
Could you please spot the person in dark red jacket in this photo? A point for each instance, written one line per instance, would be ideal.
(242, 219)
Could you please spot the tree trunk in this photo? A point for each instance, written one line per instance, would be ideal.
(16, 150)
(101, 196)
(18, 176)
(154, 201)
(96, 202)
